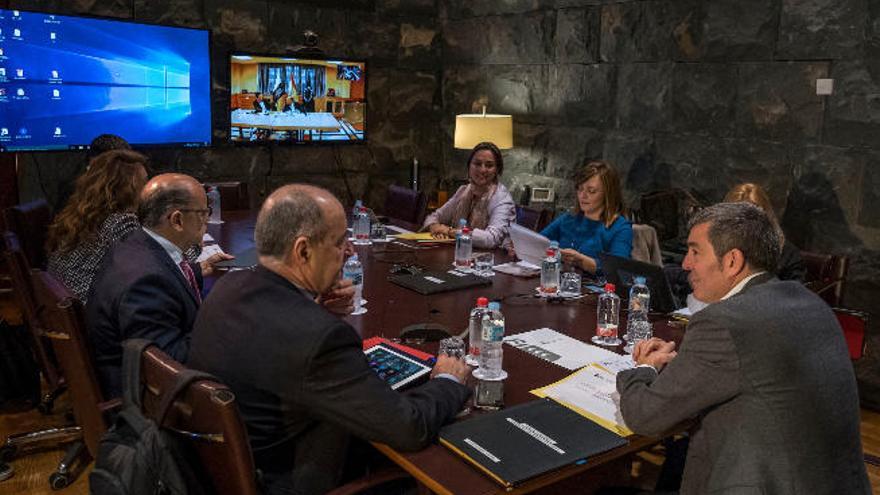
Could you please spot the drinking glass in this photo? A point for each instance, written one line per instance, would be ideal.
(377, 232)
(453, 347)
(571, 284)
(483, 264)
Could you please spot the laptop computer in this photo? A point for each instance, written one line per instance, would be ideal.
(622, 273)
(529, 245)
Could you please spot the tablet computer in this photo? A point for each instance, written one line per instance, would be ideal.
(395, 367)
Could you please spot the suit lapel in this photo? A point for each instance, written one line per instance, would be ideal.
(164, 258)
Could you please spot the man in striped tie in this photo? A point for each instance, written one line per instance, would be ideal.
(146, 288)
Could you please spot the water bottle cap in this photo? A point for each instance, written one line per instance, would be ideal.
(353, 257)
(554, 244)
(358, 203)
(482, 302)
(462, 222)
(609, 287)
(494, 305)
(640, 280)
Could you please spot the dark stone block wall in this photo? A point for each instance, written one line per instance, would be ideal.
(399, 38)
(700, 94)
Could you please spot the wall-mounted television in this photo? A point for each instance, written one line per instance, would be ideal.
(64, 80)
(290, 99)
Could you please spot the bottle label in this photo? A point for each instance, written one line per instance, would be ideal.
(493, 333)
(356, 278)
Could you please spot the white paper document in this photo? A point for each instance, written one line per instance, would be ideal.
(207, 238)
(397, 230)
(518, 269)
(208, 251)
(529, 245)
(590, 392)
(562, 350)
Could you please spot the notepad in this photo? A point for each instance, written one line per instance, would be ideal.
(420, 237)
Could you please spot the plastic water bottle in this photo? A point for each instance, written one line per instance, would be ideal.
(554, 245)
(362, 227)
(637, 324)
(214, 202)
(353, 270)
(607, 317)
(550, 273)
(491, 352)
(463, 248)
(475, 331)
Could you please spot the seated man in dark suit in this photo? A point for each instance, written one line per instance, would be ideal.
(261, 105)
(298, 372)
(145, 288)
(763, 372)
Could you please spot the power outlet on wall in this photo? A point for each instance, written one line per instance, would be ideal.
(824, 87)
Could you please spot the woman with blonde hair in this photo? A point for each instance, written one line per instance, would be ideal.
(791, 266)
(100, 213)
(597, 225)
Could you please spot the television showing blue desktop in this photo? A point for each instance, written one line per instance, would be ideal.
(65, 80)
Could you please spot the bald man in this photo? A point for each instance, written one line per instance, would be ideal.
(298, 372)
(145, 288)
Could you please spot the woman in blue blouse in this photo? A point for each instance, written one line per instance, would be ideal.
(598, 226)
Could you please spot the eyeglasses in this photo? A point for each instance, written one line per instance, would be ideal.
(201, 211)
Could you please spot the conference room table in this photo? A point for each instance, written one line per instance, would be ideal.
(292, 121)
(391, 308)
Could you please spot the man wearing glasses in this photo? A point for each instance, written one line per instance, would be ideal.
(145, 287)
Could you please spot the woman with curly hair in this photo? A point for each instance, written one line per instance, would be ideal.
(100, 213)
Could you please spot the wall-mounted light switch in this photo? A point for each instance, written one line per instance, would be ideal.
(824, 87)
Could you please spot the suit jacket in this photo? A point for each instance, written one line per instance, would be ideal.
(303, 384)
(767, 377)
(138, 293)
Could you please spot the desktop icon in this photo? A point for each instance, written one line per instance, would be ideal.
(2, 72)
(20, 92)
(57, 131)
(16, 33)
(19, 72)
(54, 74)
(2, 91)
(4, 131)
(56, 93)
(1, 52)
(22, 131)
(15, 13)
(52, 36)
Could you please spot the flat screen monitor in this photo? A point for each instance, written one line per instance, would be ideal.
(65, 80)
(288, 99)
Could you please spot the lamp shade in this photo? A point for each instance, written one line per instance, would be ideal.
(472, 129)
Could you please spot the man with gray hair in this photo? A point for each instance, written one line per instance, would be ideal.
(298, 372)
(763, 372)
(145, 288)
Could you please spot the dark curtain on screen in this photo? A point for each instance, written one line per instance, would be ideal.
(310, 75)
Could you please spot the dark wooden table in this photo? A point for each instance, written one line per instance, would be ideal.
(391, 308)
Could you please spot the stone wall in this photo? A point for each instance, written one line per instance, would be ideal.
(399, 38)
(687, 93)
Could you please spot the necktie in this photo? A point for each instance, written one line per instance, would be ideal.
(191, 278)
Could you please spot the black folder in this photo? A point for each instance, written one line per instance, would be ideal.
(524, 441)
(427, 283)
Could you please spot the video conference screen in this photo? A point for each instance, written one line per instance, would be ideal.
(65, 80)
(296, 100)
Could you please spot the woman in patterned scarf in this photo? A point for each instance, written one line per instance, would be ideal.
(484, 202)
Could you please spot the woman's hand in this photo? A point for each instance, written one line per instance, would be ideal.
(440, 231)
(578, 259)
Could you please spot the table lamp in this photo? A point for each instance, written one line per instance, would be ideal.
(472, 129)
